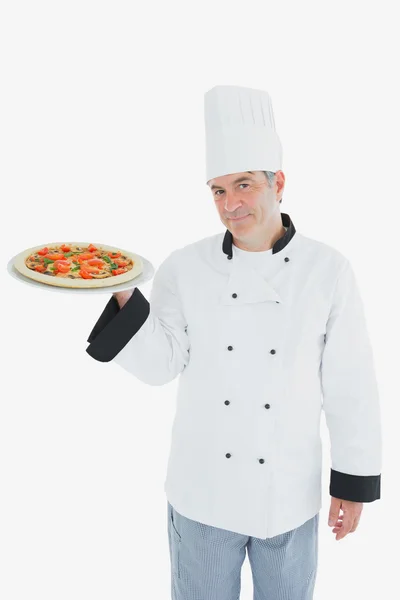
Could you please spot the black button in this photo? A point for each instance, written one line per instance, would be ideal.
(261, 460)
(287, 259)
(277, 301)
(229, 256)
(267, 406)
(273, 351)
(234, 295)
(228, 455)
(227, 402)
(230, 347)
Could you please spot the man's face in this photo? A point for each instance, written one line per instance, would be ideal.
(246, 195)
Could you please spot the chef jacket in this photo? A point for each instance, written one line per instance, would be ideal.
(261, 342)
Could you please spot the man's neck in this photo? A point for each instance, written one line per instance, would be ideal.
(259, 245)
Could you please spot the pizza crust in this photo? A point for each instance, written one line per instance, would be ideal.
(137, 269)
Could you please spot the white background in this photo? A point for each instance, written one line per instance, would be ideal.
(102, 139)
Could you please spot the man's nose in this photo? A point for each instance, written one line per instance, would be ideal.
(232, 203)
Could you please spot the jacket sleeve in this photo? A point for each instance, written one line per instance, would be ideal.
(350, 396)
(147, 339)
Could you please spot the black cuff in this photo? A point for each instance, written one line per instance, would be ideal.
(116, 326)
(357, 488)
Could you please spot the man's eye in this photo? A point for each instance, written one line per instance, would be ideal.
(216, 193)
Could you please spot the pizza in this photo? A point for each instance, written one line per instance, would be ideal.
(78, 264)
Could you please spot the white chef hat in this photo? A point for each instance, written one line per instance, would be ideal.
(240, 131)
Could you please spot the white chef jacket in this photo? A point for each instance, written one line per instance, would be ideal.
(262, 343)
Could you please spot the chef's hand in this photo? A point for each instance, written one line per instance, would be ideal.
(348, 521)
(123, 297)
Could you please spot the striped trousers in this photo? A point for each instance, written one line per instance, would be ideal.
(206, 561)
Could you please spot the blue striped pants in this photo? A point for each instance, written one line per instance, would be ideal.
(206, 561)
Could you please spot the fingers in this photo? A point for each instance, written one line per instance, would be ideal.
(338, 525)
(347, 524)
(348, 521)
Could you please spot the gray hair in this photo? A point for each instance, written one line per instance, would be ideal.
(270, 175)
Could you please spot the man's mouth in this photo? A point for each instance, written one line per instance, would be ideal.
(238, 218)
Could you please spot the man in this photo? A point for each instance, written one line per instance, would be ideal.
(265, 328)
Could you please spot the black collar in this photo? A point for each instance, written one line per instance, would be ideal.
(279, 244)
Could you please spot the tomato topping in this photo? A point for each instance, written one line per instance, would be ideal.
(114, 254)
(55, 256)
(85, 256)
(89, 268)
(65, 248)
(121, 263)
(118, 271)
(92, 248)
(63, 266)
(84, 274)
(40, 268)
(82, 258)
(95, 262)
(43, 251)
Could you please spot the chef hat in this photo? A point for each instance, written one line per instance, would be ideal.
(240, 131)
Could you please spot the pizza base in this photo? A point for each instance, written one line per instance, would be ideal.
(78, 283)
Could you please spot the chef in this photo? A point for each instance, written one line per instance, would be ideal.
(265, 328)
